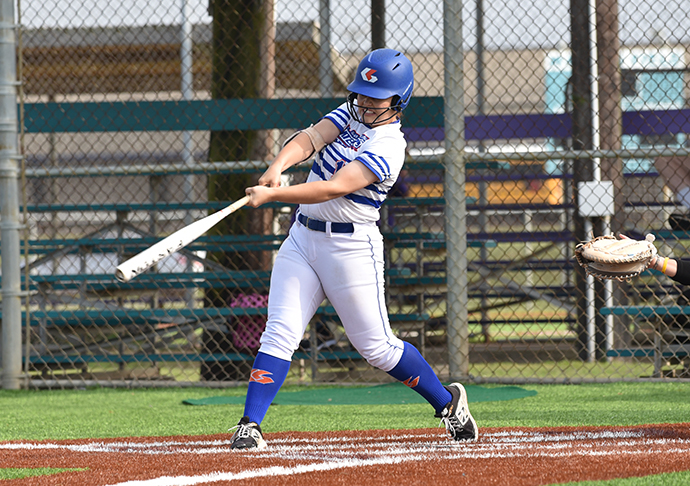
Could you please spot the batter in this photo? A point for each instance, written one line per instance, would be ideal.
(335, 250)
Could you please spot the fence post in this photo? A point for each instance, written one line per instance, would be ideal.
(9, 204)
(454, 190)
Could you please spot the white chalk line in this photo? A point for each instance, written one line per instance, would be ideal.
(328, 466)
(264, 472)
(339, 444)
(517, 437)
(336, 452)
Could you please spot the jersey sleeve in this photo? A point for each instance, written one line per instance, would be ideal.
(683, 273)
(340, 116)
(384, 155)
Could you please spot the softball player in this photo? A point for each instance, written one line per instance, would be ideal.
(335, 250)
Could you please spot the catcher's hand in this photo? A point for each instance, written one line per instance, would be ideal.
(608, 258)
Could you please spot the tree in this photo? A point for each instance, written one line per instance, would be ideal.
(241, 31)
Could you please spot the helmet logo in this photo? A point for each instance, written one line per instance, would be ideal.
(368, 75)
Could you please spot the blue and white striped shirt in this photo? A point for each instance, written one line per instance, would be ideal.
(380, 149)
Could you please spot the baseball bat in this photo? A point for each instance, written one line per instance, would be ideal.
(141, 262)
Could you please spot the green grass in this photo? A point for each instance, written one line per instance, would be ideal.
(96, 413)
(562, 370)
(669, 479)
(12, 473)
(102, 413)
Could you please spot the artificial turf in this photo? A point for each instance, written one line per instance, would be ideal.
(101, 412)
(105, 412)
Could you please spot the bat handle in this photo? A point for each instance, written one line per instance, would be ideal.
(239, 203)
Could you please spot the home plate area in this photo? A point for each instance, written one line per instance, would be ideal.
(515, 456)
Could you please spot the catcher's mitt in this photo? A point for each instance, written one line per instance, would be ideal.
(608, 258)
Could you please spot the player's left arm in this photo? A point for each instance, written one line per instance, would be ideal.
(352, 177)
(667, 266)
(299, 148)
(676, 268)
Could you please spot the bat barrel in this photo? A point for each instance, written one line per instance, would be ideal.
(169, 245)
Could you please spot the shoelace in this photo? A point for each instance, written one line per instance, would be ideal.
(454, 424)
(244, 431)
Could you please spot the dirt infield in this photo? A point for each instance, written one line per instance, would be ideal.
(515, 456)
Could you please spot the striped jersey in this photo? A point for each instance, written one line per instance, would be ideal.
(380, 149)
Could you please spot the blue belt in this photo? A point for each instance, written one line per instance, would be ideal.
(317, 225)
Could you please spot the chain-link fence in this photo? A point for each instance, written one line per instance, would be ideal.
(533, 125)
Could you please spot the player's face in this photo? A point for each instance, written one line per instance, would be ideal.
(374, 111)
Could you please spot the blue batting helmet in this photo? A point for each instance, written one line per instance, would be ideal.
(382, 74)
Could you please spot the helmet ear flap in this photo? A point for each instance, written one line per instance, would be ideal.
(351, 98)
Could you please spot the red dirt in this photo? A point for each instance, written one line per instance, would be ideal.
(515, 456)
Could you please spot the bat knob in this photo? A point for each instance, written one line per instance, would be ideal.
(120, 275)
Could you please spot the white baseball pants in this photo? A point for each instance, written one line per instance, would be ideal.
(348, 269)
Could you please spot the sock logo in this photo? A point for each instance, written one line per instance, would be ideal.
(261, 376)
(412, 382)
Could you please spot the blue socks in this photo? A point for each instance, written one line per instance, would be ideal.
(415, 372)
(268, 375)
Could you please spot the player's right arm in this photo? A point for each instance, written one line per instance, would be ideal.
(297, 150)
(352, 177)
